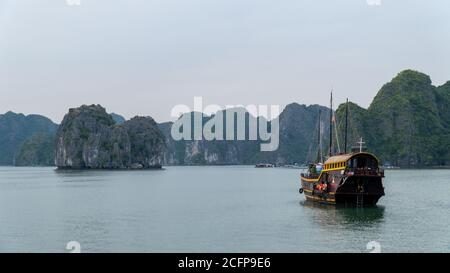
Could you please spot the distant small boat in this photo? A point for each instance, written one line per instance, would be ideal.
(389, 166)
(264, 165)
(295, 166)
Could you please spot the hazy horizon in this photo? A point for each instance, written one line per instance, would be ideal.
(144, 57)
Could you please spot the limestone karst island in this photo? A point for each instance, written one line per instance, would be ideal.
(406, 125)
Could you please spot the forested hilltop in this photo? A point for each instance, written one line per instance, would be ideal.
(407, 124)
(24, 139)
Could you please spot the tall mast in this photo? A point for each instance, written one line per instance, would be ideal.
(346, 126)
(331, 125)
(319, 142)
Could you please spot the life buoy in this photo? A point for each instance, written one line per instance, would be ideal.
(300, 190)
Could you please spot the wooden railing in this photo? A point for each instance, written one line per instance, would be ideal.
(310, 176)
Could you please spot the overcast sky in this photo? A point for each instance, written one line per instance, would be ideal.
(143, 57)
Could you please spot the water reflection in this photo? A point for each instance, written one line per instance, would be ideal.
(100, 174)
(346, 217)
(82, 175)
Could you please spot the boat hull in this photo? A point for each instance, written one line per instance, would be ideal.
(320, 198)
(353, 191)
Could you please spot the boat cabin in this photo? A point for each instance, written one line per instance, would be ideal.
(356, 162)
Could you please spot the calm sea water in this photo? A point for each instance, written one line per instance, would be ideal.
(213, 209)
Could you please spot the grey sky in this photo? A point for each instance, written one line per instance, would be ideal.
(143, 57)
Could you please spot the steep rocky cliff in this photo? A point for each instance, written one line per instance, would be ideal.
(88, 137)
(215, 152)
(298, 134)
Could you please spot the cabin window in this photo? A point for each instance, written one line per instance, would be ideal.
(350, 163)
(363, 162)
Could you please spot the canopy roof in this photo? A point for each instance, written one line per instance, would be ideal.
(338, 159)
(346, 157)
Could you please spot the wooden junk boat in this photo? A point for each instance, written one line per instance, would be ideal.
(353, 178)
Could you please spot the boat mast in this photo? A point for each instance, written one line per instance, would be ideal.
(346, 126)
(331, 125)
(319, 141)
